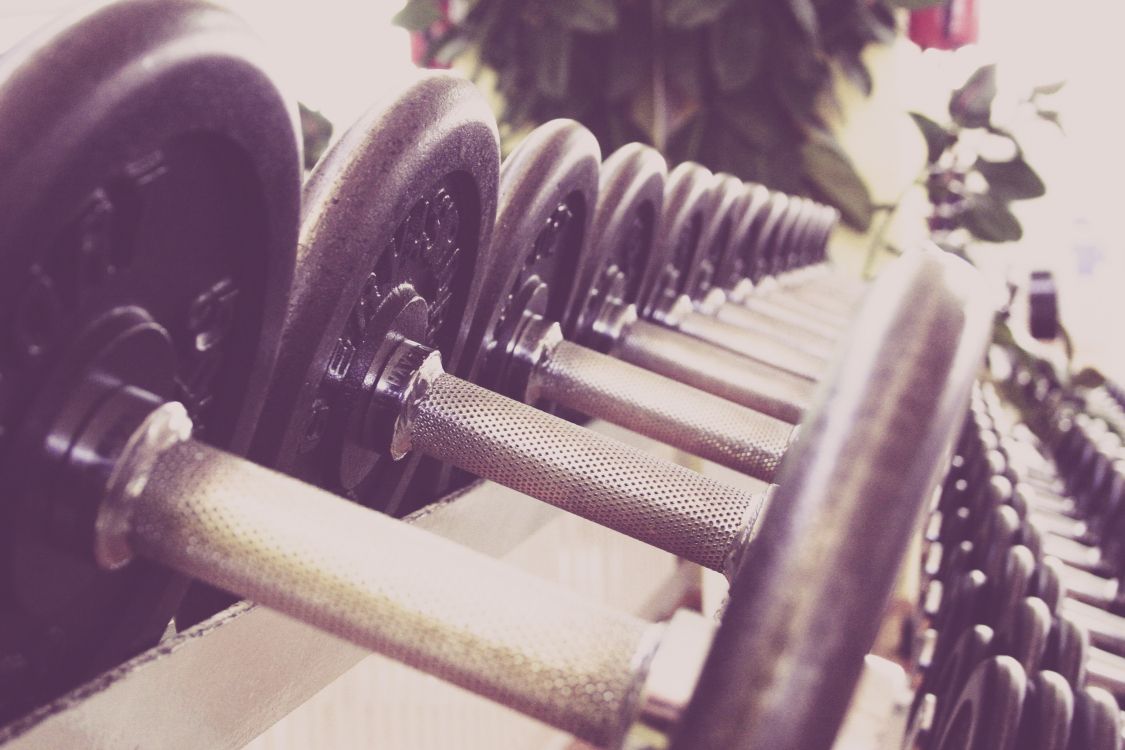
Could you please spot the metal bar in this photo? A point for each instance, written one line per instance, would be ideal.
(570, 467)
(752, 345)
(692, 420)
(391, 588)
(805, 336)
(719, 371)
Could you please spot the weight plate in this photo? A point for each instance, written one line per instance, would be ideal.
(752, 212)
(823, 564)
(1048, 711)
(1067, 647)
(548, 189)
(395, 221)
(987, 713)
(950, 674)
(150, 178)
(717, 237)
(761, 250)
(1097, 721)
(622, 233)
(690, 200)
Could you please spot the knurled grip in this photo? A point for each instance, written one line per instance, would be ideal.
(707, 426)
(804, 336)
(578, 470)
(394, 589)
(719, 371)
(752, 345)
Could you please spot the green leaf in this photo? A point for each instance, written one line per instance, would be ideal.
(686, 14)
(913, 4)
(1051, 116)
(856, 71)
(971, 105)
(418, 15)
(736, 49)
(835, 179)
(590, 16)
(316, 132)
(938, 139)
(1011, 180)
(990, 220)
(1047, 89)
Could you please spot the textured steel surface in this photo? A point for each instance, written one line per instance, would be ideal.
(393, 589)
(753, 345)
(808, 605)
(663, 409)
(575, 469)
(787, 329)
(784, 304)
(716, 370)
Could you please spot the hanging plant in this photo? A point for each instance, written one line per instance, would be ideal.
(738, 85)
(970, 190)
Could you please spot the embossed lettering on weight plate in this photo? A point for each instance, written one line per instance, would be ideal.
(423, 254)
(90, 250)
(546, 248)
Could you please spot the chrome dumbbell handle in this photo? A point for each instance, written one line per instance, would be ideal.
(805, 336)
(698, 422)
(749, 344)
(716, 370)
(576, 469)
(389, 587)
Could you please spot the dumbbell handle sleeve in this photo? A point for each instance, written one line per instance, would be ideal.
(803, 336)
(717, 370)
(573, 468)
(695, 421)
(389, 587)
(751, 344)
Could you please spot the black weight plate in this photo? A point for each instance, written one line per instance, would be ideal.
(148, 169)
(717, 236)
(773, 226)
(1027, 633)
(796, 217)
(950, 675)
(1066, 651)
(548, 189)
(621, 237)
(1048, 711)
(1097, 721)
(690, 200)
(752, 212)
(987, 713)
(395, 222)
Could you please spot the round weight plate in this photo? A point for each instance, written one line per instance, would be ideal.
(548, 188)
(1066, 651)
(987, 713)
(717, 236)
(394, 224)
(1097, 721)
(1026, 636)
(622, 233)
(951, 673)
(773, 225)
(752, 211)
(818, 574)
(1048, 711)
(690, 200)
(150, 179)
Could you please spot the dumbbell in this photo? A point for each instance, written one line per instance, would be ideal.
(626, 227)
(174, 182)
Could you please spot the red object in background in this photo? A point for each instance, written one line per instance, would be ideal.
(949, 25)
(421, 40)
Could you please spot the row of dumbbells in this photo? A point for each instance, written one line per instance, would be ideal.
(1025, 640)
(173, 296)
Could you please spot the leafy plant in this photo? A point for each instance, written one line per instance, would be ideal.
(738, 85)
(967, 190)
